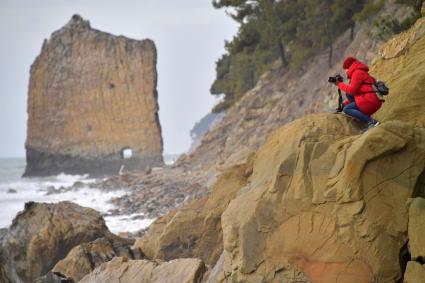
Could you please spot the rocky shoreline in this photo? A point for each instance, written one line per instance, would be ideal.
(156, 193)
(144, 195)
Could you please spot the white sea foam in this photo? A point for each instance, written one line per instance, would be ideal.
(128, 223)
(35, 189)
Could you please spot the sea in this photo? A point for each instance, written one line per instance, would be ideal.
(15, 191)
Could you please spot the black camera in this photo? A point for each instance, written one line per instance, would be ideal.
(336, 78)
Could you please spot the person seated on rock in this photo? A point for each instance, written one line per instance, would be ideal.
(361, 100)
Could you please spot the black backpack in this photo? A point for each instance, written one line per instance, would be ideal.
(380, 89)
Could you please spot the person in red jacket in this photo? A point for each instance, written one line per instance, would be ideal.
(361, 101)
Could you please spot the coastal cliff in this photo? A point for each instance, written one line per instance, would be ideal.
(92, 98)
(319, 200)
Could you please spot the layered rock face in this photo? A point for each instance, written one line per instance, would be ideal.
(92, 103)
(325, 203)
(319, 202)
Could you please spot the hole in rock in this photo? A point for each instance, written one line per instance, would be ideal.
(111, 86)
(126, 153)
(404, 258)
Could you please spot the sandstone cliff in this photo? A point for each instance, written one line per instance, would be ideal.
(320, 201)
(325, 203)
(92, 95)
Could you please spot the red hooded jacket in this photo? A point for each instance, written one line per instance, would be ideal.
(360, 86)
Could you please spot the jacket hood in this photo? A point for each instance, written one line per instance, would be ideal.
(357, 65)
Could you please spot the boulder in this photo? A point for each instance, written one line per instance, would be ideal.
(122, 270)
(92, 104)
(195, 230)
(325, 202)
(84, 258)
(217, 273)
(48, 232)
(415, 273)
(177, 237)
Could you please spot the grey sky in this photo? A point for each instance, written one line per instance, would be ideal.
(189, 35)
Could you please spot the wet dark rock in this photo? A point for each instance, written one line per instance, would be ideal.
(78, 185)
(51, 190)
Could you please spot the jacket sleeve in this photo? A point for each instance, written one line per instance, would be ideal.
(356, 82)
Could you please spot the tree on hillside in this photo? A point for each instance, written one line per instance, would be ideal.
(258, 43)
(343, 12)
(268, 17)
(317, 26)
(242, 8)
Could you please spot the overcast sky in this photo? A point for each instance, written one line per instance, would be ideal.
(189, 35)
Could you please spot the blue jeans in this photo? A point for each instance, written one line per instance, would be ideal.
(352, 110)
